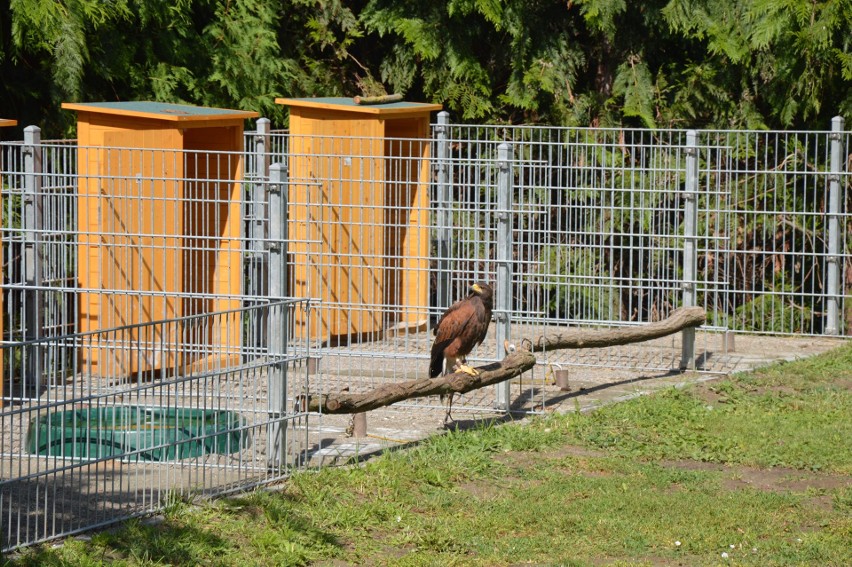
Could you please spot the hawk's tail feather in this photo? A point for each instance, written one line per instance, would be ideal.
(436, 365)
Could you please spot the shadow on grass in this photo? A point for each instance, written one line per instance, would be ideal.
(186, 539)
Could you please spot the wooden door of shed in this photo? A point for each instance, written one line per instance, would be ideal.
(337, 188)
(130, 214)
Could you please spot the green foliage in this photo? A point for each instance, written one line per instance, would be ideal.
(61, 30)
(693, 63)
(246, 66)
(633, 83)
(787, 55)
(238, 54)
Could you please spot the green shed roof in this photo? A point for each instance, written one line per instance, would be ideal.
(159, 110)
(347, 104)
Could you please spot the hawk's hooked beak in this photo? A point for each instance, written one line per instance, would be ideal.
(476, 289)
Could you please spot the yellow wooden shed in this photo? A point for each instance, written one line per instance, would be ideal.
(159, 225)
(359, 214)
(4, 123)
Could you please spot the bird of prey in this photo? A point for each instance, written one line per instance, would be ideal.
(462, 327)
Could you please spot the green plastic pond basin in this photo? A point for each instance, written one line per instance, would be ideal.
(136, 432)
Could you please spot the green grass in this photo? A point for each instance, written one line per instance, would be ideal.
(756, 466)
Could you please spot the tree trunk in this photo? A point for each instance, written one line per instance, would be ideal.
(515, 364)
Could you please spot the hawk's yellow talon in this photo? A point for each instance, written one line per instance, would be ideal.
(467, 370)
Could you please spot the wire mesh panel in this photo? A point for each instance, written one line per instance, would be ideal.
(39, 237)
(597, 230)
(775, 274)
(98, 447)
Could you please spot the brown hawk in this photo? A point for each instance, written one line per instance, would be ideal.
(462, 327)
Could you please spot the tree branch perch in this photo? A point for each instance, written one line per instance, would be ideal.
(679, 320)
(514, 364)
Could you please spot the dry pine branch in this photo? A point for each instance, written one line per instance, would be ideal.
(382, 99)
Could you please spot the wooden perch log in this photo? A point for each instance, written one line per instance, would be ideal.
(679, 320)
(383, 99)
(515, 364)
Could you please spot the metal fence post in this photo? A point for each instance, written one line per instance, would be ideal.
(261, 148)
(690, 242)
(278, 317)
(834, 260)
(443, 216)
(32, 254)
(503, 299)
(278, 179)
(256, 224)
(259, 197)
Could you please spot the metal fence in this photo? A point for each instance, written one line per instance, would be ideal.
(615, 227)
(603, 222)
(110, 253)
(136, 366)
(576, 226)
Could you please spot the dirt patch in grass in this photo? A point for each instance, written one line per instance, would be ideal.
(843, 383)
(711, 394)
(483, 490)
(708, 394)
(575, 451)
(777, 479)
(520, 461)
(524, 458)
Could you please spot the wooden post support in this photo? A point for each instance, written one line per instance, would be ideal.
(359, 425)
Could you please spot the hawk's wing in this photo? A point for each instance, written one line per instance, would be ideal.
(454, 321)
